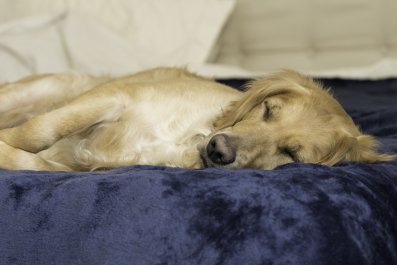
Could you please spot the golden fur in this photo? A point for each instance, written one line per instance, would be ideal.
(169, 116)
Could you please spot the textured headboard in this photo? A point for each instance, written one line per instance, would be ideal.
(307, 35)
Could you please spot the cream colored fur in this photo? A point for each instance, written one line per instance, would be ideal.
(167, 116)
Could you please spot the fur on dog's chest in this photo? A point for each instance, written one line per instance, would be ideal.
(165, 135)
(148, 123)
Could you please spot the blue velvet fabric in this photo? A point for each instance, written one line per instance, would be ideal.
(296, 214)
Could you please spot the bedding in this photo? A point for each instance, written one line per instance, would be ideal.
(114, 37)
(315, 36)
(296, 214)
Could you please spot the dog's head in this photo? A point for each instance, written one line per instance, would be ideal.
(286, 118)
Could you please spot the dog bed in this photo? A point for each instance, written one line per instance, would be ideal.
(295, 214)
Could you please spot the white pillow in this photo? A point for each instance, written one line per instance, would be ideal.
(113, 36)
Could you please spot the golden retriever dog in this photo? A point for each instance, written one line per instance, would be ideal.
(171, 117)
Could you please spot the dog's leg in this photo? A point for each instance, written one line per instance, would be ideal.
(37, 94)
(40, 132)
(16, 159)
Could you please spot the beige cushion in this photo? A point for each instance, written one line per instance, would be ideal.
(308, 35)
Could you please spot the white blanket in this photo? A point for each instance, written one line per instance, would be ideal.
(106, 37)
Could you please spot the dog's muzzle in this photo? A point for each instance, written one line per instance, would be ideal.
(221, 150)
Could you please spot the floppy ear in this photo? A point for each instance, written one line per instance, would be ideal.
(358, 149)
(282, 83)
(364, 150)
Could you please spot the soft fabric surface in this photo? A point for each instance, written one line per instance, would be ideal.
(106, 36)
(315, 36)
(297, 214)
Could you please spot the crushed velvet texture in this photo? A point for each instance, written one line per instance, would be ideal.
(297, 214)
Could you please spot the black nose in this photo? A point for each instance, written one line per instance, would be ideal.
(220, 150)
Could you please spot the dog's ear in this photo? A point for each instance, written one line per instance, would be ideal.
(357, 149)
(287, 83)
(364, 150)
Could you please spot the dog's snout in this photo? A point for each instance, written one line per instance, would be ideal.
(220, 150)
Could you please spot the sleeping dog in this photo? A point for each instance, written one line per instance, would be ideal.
(171, 117)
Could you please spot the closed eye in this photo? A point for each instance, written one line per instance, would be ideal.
(290, 153)
(267, 112)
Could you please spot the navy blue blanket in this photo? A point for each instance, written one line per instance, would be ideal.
(296, 214)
